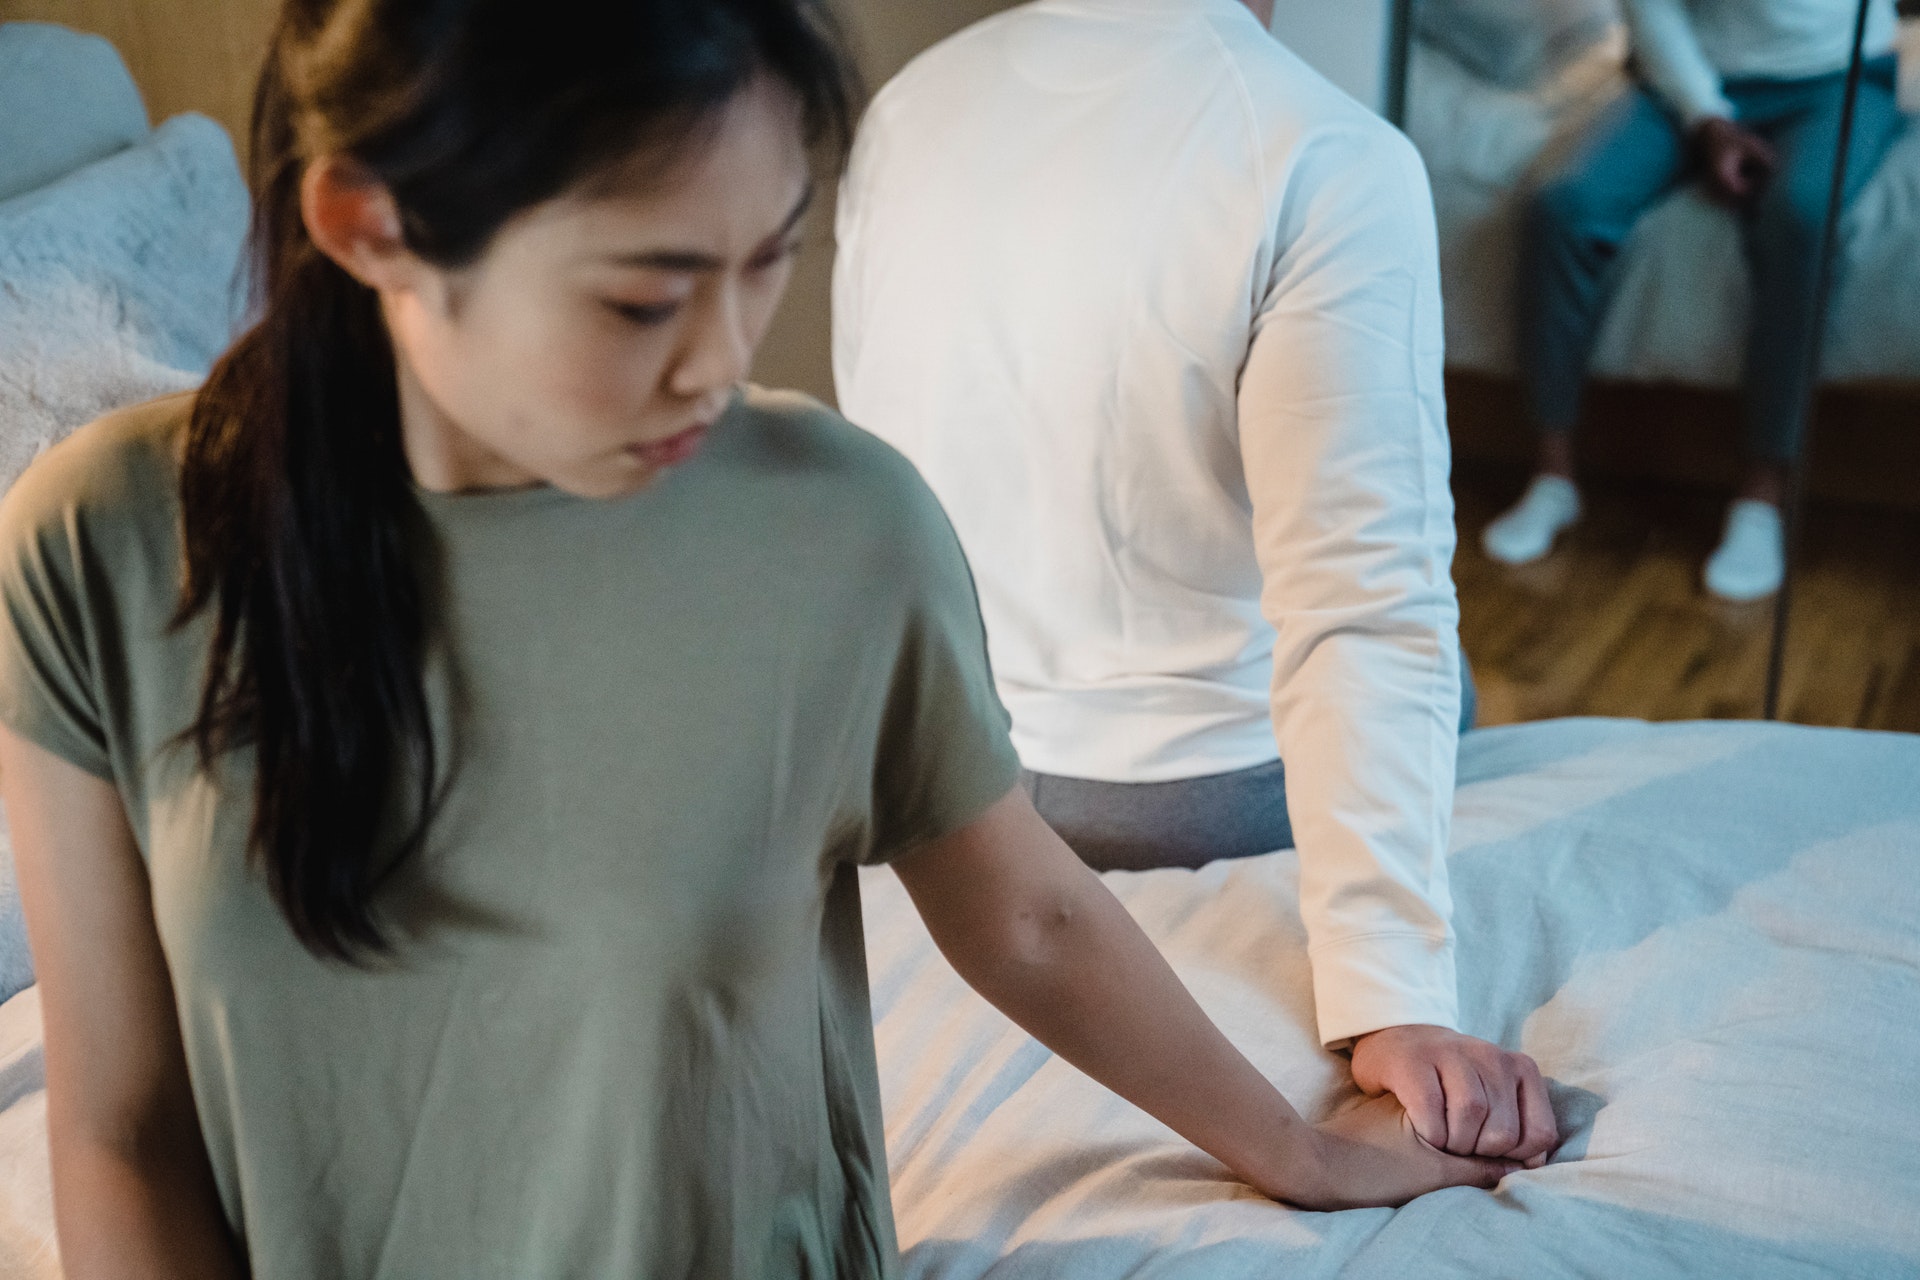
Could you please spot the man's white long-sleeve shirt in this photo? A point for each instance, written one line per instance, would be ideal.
(1156, 311)
(1687, 49)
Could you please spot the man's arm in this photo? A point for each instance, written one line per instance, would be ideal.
(1342, 430)
(134, 1195)
(1029, 927)
(1668, 56)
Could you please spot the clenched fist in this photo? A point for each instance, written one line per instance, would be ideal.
(1464, 1096)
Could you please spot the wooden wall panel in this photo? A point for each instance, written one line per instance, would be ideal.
(186, 55)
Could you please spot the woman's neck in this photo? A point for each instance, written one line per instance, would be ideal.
(443, 457)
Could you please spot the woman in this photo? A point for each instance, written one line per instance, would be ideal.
(439, 752)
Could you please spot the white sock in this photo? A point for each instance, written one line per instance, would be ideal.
(1526, 532)
(1751, 558)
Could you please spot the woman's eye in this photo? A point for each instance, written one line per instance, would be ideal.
(650, 313)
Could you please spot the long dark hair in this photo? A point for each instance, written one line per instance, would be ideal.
(303, 537)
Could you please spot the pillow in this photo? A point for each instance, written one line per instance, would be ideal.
(1515, 43)
(66, 100)
(118, 283)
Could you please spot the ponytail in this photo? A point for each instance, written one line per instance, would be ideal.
(302, 531)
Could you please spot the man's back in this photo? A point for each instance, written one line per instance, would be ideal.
(1060, 229)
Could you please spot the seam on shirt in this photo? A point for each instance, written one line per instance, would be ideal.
(1440, 810)
(1249, 116)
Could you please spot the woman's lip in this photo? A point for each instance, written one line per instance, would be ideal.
(673, 449)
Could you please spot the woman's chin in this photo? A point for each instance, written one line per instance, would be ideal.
(608, 483)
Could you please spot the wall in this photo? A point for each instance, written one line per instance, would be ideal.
(203, 55)
(1344, 40)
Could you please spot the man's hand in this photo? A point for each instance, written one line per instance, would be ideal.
(1738, 161)
(1463, 1095)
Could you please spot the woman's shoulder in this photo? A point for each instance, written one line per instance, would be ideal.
(123, 467)
(887, 517)
(806, 438)
(800, 429)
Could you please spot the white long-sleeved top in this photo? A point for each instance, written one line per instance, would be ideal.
(1156, 310)
(1687, 49)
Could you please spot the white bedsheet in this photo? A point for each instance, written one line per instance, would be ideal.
(1707, 934)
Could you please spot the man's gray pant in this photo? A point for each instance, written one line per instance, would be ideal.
(1633, 155)
(1131, 826)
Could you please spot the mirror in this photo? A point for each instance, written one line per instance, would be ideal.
(1632, 198)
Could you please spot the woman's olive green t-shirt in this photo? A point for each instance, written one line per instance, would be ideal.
(625, 1031)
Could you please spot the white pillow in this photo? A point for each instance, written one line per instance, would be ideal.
(118, 283)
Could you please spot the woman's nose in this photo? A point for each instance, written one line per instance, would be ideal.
(718, 352)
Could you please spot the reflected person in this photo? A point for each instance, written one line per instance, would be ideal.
(1745, 96)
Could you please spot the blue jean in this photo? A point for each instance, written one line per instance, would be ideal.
(1631, 157)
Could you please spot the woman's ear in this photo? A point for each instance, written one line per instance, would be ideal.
(352, 218)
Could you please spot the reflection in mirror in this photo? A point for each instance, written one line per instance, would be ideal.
(1631, 197)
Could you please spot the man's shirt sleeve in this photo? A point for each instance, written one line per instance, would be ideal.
(1343, 434)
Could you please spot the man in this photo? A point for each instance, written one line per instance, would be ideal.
(1748, 95)
(1156, 311)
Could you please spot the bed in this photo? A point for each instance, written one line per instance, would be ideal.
(1708, 935)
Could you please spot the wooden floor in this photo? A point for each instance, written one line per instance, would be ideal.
(1615, 621)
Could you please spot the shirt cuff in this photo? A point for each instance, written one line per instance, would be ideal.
(1691, 103)
(1696, 110)
(1383, 980)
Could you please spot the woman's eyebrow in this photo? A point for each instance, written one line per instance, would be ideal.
(697, 261)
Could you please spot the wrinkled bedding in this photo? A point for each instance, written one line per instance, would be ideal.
(1707, 934)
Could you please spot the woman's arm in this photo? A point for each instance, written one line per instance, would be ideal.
(133, 1191)
(1029, 927)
